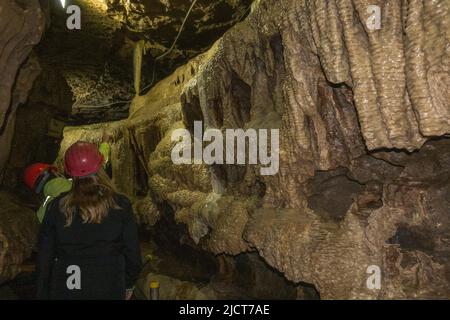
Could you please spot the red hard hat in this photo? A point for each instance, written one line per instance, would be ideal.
(33, 172)
(82, 159)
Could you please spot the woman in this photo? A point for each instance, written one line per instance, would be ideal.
(88, 245)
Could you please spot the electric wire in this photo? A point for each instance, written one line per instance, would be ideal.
(173, 45)
(154, 65)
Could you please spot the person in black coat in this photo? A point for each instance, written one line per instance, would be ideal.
(88, 245)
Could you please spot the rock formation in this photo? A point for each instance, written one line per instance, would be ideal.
(398, 73)
(361, 101)
(18, 227)
(21, 25)
(350, 102)
(97, 60)
(35, 87)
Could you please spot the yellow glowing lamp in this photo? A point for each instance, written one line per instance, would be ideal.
(63, 3)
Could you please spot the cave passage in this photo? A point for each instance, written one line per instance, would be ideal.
(271, 149)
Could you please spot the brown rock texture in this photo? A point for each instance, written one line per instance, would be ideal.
(21, 25)
(97, 61)
(159, 21)
(350, 103)
(18, 227)
(49, 99)
(173, 289)
(399, 72)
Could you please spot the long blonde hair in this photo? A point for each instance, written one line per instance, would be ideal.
(93, 196)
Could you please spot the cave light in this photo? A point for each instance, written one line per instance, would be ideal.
(63, 3)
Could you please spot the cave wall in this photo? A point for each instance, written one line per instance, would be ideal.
(21, 26)
(32, 94)
(363, 179)
(399, 73)
(49, 99)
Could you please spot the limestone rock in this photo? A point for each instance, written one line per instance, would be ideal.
(146, 212)
(49, 100)
(22, 24)
(18, 229)
(98, 63)
(159, 21)
(349, 103)
(399, 72)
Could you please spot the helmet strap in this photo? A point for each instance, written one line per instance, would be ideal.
(40, 184)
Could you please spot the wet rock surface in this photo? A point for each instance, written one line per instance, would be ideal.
(22, 24)
(18, 228)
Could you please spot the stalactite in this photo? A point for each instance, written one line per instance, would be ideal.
(139, 51)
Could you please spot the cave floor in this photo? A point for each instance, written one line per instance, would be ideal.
(23, 287)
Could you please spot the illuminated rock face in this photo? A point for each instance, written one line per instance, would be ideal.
(22, 24)
(399, 73)
(159, 21)
(338, 209)
(18, 228)
(97, 60)
(350, 102)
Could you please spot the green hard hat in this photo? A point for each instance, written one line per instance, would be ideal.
(57, 186)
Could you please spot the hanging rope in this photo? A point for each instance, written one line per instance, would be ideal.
(173, 44)
(179, 32)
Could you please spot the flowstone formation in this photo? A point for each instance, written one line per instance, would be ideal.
(363, 114)
(399, 73)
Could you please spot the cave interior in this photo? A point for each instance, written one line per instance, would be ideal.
(358, 92)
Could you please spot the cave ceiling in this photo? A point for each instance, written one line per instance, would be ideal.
(97, 61)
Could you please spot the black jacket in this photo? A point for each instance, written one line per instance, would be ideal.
(107, 255)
